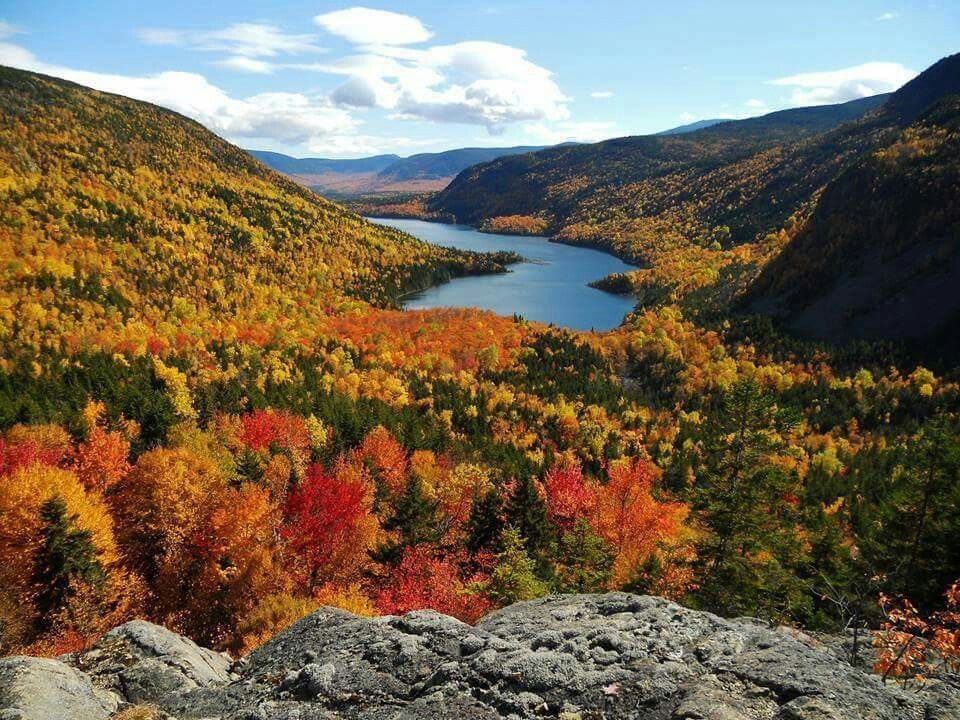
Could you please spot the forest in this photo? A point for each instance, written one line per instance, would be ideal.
(214, 416)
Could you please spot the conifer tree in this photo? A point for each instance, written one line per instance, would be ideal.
(514, 579)
(741, 495)
(485, 525)
(914, 533)
(584, 560)
(526, 511)
(414, 521)
(66, 556)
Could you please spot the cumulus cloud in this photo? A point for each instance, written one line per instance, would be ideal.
(290, 118)
(601, 94)
(391, 68)
(249, 40)
(755, 104)
(479, 83)
(364, 26)
(834, 86)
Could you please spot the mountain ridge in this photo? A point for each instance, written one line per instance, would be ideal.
(384, 173)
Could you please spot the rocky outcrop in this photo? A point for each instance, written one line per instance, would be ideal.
(46, 688)
(587, 657)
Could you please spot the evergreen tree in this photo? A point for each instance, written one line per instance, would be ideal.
(584, 561)
(66, 556)
(415, 521)
(485, 525)
(914, 534)
(744, 497)
(526, 511)
(514, 579)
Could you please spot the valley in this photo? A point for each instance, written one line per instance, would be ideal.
(223, 410)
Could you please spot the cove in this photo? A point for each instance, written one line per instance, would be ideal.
(550, 288)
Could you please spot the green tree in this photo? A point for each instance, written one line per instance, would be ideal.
(414, 521)
(526, 511)
(913, 537)
(514, 579)
(747, 501)
(484, 526)
(584, 561)
(66, 556)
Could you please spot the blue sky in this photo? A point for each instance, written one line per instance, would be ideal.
(335, 79)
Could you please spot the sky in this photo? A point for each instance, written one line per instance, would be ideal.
(332, 79)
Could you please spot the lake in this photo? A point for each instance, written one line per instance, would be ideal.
(551, 288)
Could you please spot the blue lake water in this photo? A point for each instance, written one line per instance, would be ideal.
(552, 288)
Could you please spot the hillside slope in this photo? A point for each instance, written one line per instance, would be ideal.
(119, 216)
(880, 255)
(570, 184)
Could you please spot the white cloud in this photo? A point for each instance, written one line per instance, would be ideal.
(364, 26)
(687, 117)
(755, 104)
(601, 94)
(886, 16)
(834, 86)
(246, 64)
(8, 29)
(568, 131)
(250, 40)
(479, 83)
(290, 118)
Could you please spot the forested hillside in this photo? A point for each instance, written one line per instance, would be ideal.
(878, 258)
(211, 417)
(701, 213)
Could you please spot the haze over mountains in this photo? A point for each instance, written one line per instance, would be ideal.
(423, 172)
(384, 173)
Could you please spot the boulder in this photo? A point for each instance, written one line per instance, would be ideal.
(43, 688)
(142, 662)
(582, 657)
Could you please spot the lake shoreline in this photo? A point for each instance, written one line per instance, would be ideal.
(551, 284)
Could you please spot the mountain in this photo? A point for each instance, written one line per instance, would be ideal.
(690, 127)
(445, 165)
(118, 212)
(604, 655)
(569, 184)
(316, 166)
(707, 213)
(384, 173)
(879, 257)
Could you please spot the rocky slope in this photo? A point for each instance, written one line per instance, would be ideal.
(588, 656)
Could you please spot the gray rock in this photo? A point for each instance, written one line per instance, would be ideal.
(142, 662)
(43, 689)
(586, 657)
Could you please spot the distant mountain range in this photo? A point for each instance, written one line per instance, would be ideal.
(424, 172)
(384, 173)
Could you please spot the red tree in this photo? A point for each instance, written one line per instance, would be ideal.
(425, 580)
(329, 526)
(569, 497)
